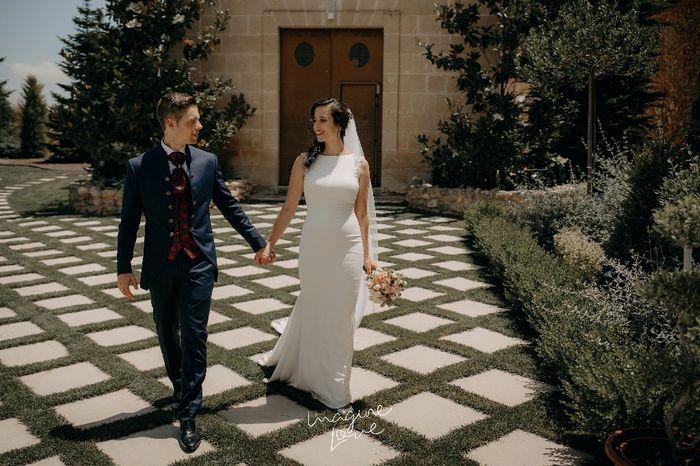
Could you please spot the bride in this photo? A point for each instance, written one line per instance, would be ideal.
(338, 241)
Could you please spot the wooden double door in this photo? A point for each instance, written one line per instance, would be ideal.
(319, 63)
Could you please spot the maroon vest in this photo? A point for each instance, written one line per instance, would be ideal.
(182, 207)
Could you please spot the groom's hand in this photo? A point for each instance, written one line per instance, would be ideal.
(265, 255)
(124, 281)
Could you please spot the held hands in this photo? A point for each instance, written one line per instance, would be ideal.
(124, 281)
(265, 256)
(369, 265)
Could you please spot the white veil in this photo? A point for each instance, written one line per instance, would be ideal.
(352, 142)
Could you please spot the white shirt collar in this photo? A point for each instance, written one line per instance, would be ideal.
(168, 149)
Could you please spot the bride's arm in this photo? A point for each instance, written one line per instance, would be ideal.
(362, 215)
(286, 214)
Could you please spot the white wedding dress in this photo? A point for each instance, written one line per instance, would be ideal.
(314, 352)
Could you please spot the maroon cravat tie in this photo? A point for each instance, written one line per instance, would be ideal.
(182, 205)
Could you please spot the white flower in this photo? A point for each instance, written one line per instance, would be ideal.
(134, 23)
(497, 117)
(520, 99)
(178, 18)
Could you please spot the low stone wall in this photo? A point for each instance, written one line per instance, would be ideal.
(453, 201)
(88, 199)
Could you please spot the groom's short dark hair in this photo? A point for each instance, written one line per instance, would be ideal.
(173, 104)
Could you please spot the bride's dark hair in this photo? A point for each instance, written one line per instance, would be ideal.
(341, 117)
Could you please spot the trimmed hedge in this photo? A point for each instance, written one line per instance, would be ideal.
(612, 372)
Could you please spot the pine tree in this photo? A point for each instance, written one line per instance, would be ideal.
(7, 115)
(32, 118)
(121, 62)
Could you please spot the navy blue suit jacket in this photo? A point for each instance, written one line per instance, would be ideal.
(147, 191)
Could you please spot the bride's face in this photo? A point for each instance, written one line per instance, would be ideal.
(324, 126)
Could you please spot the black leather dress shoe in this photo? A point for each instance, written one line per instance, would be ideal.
(189, 437)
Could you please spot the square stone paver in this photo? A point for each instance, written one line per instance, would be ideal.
(11, 268)
(525, 449)
(366, 337)
(412, 243)
(457, 266)
(364, 383)
(414, 273)
(470, 308)
(102, 279)
(160, 443)
(233, 247)
(76, 319)
(279, 281)
(260, 306)
(80, 269)
(64, 301)
(18, 330)
(461, 283)
(44, 288)
(90, 412)
(64, 378)
(244, 271)
(120, 335)
(419, 321)
(239, 337)
(43, 253)
(76, 239)
(15, 435)
(216, 318)
(265, 414)
(501, 387)
(422, 359)
(355, 450)
(6, 312)
(51, 461)
(218, 379)
(46, 228)
(62, 260)
(30, 354)
(115, 293)
(484, 340)
(228, 291)
(25, 277)
(410, 231)
(444, 238)
(145, 306)
(93, 246)
(144, 360)
(411, 222)
(431, 415)
(287, 264)
(61, 234)
(451, 250)
(416, 294)
(223, 261)
(412, 256)
(26, 246)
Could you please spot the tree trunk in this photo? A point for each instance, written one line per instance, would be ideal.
(687, 257)
(589, 139)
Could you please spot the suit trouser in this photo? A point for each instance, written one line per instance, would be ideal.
(181, 298)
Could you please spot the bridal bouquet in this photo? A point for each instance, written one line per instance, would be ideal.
(385, 286)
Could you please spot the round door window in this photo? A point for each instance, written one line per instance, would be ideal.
(304, 54)
(359, 55)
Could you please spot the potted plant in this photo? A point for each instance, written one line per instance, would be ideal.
(679, 292)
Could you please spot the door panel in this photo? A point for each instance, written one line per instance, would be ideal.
(319, 63)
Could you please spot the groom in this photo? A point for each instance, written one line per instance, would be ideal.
(173, 184)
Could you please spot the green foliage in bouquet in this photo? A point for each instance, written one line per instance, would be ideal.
(120, 62)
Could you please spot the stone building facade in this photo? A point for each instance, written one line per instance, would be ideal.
(365, 52)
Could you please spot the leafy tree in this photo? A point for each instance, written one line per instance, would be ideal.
(121, 62)
(585, 43)
(496, 136)
(32, 118)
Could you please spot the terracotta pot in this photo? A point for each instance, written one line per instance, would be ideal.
(643, 446)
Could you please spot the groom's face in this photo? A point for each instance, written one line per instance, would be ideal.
(186, 130)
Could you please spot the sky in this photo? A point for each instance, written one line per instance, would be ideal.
(29, 41)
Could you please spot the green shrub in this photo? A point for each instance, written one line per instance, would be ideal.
(608, 346)
(580, 252)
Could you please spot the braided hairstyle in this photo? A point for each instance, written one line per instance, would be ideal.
(341, 116)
